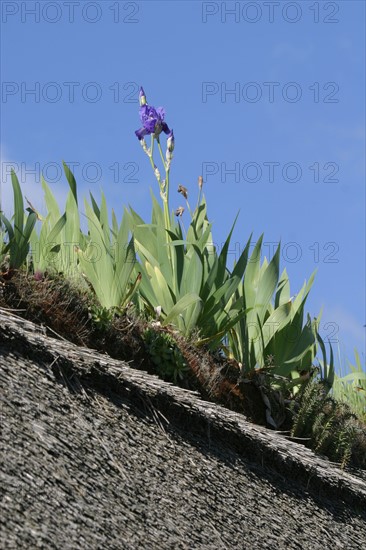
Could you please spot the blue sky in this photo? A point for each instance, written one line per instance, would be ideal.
(266, 100)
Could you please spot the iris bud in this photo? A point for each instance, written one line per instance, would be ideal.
(142, 97)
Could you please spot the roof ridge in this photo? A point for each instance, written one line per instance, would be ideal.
(180, 406)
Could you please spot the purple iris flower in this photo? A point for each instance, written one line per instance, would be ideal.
(152, 121)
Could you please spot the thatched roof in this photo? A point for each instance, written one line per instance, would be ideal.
(96, 454)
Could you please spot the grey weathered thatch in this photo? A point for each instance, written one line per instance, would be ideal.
(98, 455)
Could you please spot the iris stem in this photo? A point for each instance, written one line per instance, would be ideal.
(199, 198)
(166, 194)
(151, 157)
(167, 212)
(161, 153)
(164, 190)
(189, 209)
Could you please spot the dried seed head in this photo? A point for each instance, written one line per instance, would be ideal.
(183, 190)
(179, 211)
(200, 182)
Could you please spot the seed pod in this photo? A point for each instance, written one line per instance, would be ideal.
(183, 190)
